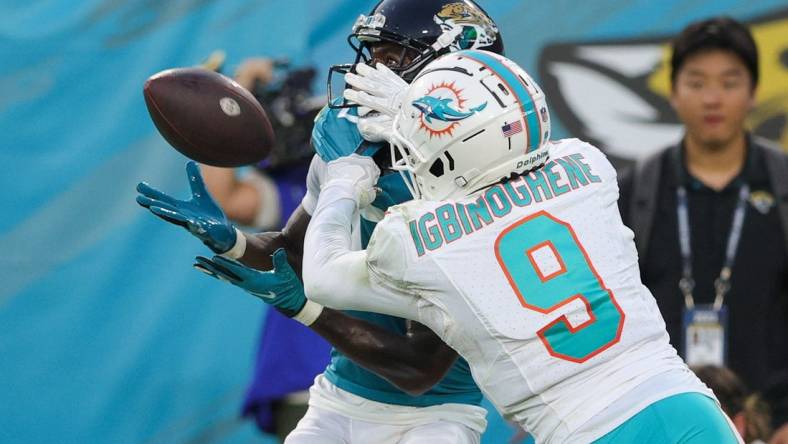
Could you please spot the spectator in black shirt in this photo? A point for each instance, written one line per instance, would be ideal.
(711, 213)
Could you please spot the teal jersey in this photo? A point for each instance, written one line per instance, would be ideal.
(335, 135)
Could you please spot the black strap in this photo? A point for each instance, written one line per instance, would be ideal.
(777, 164)
(723, 283)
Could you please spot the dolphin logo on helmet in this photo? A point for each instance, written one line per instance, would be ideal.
(472, 118)
(441, 109)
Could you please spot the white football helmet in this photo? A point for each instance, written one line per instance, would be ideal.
(470, 119)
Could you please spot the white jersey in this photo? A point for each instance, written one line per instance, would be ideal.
(326, 396)
(535, 282)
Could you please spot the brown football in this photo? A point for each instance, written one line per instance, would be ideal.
(208, 117)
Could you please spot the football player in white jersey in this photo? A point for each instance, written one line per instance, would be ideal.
(514, 253)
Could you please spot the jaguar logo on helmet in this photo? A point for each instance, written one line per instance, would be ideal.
(474, 29)
(442, 109)
(423, 29)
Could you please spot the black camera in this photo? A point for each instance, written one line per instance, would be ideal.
(291, 106)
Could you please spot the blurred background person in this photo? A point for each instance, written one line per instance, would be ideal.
(710, 214)
(776, 396)
(263, 196)
(749, 413)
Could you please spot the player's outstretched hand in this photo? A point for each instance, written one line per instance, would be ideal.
(378, 88)
(358, 172)
(200, 215)
(279, 287)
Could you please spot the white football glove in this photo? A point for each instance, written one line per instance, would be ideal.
(375, 127)
(358, 172)
(377, 88)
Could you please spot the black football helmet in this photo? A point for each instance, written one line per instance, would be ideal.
(424, 30)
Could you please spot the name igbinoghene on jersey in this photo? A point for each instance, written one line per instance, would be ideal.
(451, 221)
(514, 253)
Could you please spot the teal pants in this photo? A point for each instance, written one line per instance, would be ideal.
(684, 418)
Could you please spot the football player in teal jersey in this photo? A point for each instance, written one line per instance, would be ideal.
(389, 380)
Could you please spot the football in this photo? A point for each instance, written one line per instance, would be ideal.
(208, 117)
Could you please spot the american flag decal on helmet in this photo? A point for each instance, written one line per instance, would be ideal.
(510, 129)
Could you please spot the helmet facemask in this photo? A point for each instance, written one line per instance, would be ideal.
(441, 36)
(368, 31)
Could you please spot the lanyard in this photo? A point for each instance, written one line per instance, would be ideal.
(723, 283)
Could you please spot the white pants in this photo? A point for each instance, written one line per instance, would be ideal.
(321, 426)
(338, 416)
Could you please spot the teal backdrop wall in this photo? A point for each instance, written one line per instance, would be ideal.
(106, 333)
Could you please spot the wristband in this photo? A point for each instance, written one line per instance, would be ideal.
(309, 313)
(239, 248)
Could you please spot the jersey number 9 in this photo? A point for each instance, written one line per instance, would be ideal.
(570, 277)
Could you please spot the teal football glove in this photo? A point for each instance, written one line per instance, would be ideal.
(200, 215)
(279, 287)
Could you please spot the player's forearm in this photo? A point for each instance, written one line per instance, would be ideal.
(411, 362)
(332, 272)
(294, 234)
(336, 276)
(260, 246)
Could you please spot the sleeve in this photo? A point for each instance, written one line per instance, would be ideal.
(339, 278)
(335, 133)
(314, 178)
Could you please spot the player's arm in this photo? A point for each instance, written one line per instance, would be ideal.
(260, 246)
(206, 220)
(334, 274)
(340, 278)
(413, 362)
